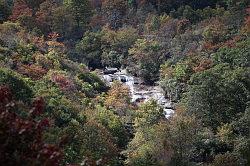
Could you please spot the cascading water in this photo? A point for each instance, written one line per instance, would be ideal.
(141, 92)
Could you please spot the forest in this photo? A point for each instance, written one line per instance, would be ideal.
(57, 110)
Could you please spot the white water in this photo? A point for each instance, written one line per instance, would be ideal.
(141, 92)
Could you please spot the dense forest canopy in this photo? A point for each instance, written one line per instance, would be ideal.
(55, 108)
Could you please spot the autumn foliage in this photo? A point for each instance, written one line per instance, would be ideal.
(62, 81)
(21, 137)
(247, 21)
(20, 8)
(118, 97)
(33, 71)
(57, 109)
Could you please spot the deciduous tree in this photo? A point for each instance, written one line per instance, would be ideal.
(22, 137)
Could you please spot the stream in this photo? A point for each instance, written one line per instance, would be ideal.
(139, 92)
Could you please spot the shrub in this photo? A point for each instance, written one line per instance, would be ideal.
(94, 81)
(21, 139)
(19, 86)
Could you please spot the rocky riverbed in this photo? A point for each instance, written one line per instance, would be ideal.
(139, 91)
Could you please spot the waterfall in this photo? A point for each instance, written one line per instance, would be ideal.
(141, 92)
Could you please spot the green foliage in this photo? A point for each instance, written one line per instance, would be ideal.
(94, 81)
(112, 58)
(25, 51)
(147, 56)
(143, 149)
(63, 21)
(92, 143)
(148, 114)
(81, 10)
(179, 139)
(218, 95)
(4, 51)
(215, 33)
(19, 86)
(175, 75)
(115, 11)
(148, 144)
(8, 35)
(194, 16)
(106, 48)
(115, 45)
(230, 159)
(198, 49)
(153, 23)
(169, 5)
(160, 142)
(58, 106)
(236, 57)
(89, 49)
(21, 136)
(114, 124)
(146, 147)
(118, 99)
(182, 71)
(123, 38)
(5, 10)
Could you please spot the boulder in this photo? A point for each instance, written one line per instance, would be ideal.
(110, 70)
(123, 79)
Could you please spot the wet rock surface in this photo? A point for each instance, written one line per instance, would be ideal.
(139, 91)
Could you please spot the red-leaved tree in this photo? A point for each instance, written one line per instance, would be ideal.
(20, 8)
(21, 133)
(247, 21)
